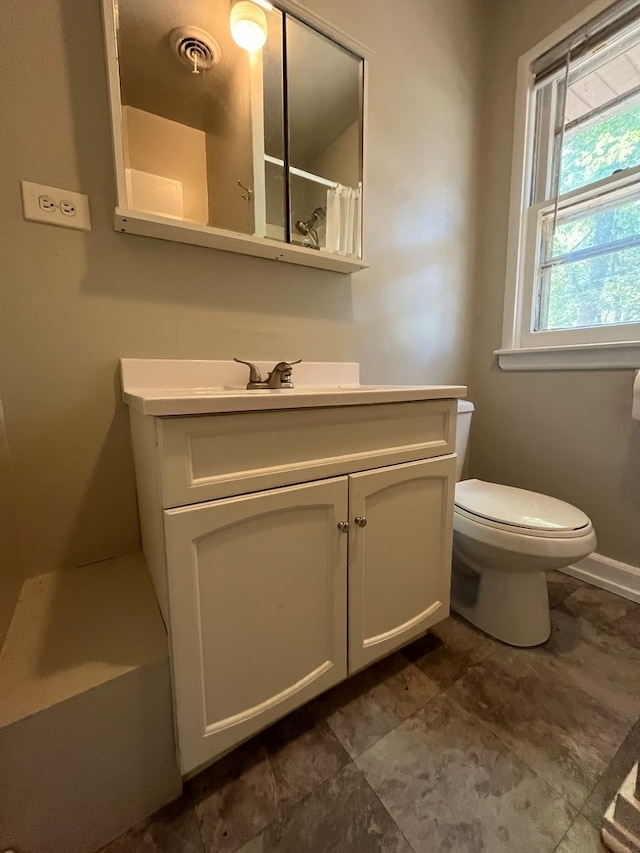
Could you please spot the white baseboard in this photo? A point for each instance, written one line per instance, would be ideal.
(619, 578)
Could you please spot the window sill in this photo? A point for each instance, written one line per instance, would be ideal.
(620, 355)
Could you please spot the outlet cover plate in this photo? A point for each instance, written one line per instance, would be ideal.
(41, 203)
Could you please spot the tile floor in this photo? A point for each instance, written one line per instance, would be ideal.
(458, 743)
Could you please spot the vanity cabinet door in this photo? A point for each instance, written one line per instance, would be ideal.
(400, 561)
(257, 599)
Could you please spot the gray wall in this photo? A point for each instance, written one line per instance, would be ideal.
(72, 303)
(567, 434)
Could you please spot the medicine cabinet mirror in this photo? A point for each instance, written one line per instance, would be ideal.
(253, 151)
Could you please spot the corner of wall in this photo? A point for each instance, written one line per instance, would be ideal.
(11, 573)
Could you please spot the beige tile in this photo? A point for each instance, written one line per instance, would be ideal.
(555, 724)
(367, 706)
(560, 586)
(235, 798)
(581, 837)
(613, 777)
(613, 616)
(172, 829)
(451, 785)
(449, 649)
(303, 752)
(342, 816)
(238, 796)
(589, 649)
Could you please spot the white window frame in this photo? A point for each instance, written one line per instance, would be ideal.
(595, 348)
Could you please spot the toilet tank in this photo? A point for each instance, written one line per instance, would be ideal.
(465, 410)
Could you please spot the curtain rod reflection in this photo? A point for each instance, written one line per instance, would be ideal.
(300, 173)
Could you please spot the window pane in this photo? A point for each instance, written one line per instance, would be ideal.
(592, 292)
(585, 263)
(596, 149)
(601, 118)
(612, 72)
(591, 228)
(548, 117)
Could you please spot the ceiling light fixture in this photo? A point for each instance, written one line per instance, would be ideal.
(248, 24)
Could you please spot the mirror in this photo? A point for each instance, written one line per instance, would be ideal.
(221, 142)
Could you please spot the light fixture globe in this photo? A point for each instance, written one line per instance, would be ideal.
(248, 25)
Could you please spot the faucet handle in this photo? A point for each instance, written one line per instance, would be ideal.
(280, 376)
(254, 373)
(285, 365)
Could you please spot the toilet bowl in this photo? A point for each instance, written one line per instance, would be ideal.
(504, 540)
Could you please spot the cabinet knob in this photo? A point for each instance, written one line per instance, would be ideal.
(344, 526)
(361, 521)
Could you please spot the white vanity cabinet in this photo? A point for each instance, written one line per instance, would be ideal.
(289, 549)
(258, 608)
(399, 562)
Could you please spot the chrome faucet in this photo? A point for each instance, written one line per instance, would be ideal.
(279, 377)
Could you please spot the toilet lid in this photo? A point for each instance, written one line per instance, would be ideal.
(519, 508)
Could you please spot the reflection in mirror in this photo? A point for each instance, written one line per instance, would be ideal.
(265, 143)
(324, 88)
(187, 113)
(271, 91)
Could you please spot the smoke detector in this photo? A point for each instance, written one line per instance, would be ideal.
(195, 47)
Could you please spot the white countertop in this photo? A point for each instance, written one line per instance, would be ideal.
(165, 387)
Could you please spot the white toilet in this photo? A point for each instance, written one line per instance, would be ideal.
(504, 539)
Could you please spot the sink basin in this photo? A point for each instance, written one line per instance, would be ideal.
(166, 387)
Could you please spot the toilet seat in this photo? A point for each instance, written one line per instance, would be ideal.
(519, 511)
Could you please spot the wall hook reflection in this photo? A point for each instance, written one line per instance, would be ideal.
(247, 194)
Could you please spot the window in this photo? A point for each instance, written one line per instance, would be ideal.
(573, 277)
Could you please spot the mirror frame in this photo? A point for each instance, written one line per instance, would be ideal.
(130, 221)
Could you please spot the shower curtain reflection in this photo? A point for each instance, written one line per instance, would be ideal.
(343, 224)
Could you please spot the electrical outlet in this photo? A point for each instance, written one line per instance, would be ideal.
(68, 208)
(55, 206)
